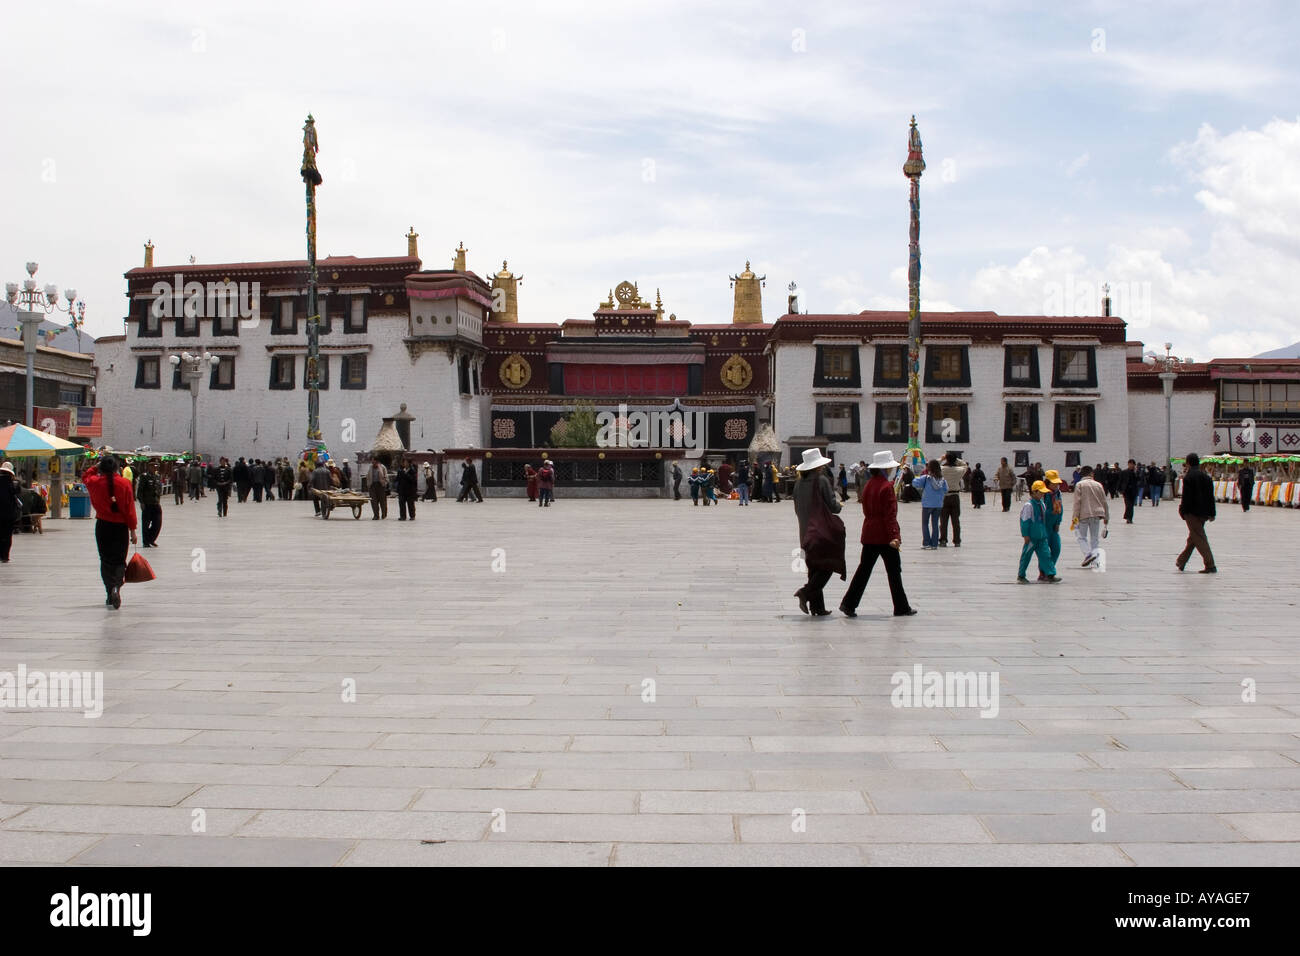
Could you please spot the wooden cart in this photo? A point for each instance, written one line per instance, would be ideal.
(333, 498)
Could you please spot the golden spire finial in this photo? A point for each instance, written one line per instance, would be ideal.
(148, 254)
(411, 248)
(748, 305)
(458, 258)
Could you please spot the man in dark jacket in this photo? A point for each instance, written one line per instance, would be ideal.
(469, 482)
(1245, 485)
(223, 476)
(677, 482)
(320, 482)
(1196, 507)
(408, 483)
(148, 491)
(257, 478)
(243, 481)
(1128, 487)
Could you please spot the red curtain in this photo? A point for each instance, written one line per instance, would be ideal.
(625, 380)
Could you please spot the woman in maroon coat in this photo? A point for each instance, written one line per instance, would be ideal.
(881, 538)
(530, 473)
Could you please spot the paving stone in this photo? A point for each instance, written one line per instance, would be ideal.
(42, 847)
(1120, 828)
(865, 828)
(208, 850)
(121, 819)
(1215, 855)
(724, 855)
(994, 854)
(405, 853)
(95, 791)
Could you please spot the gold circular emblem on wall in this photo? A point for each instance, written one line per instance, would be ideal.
(625, 321)
(515, 371)
(501, 338)
(334, 275)
(531, 338)
(736, 373)
(388, 299)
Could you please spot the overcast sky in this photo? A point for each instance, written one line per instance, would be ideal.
(1156, 146)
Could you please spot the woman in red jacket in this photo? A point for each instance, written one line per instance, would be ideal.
(880, 538)
(114, 504)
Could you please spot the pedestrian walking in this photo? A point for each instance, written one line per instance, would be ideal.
(1006, 479)
(223, 479)
(243, 482)
(843, 480)
(742, 481)
(11, 509)
(821, 534)
(1055, 515)
(710, 486)
(1155, 483)
(933, 489)
(881, 538)
(194, 480)
(953, 470)
(149, 493)
(1128, 487)
(430, 483)
(977, 482)
(1245, 485)
(469, 482)
(377, 483)
(545, 485)
(1033, 531)
(115, 522)
(530, 477)
(677, 482)
(407, 482)
(769, 481)
(1091, 511)
(1196, 507)
(178, 483)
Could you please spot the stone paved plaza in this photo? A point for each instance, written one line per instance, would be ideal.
(499, 714)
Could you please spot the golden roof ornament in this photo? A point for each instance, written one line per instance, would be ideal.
(505, 303)
(411, 249)
(458, 257)
(748, 305)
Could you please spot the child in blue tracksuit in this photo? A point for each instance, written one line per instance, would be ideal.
(1033, 529)
(1052, 502)
(694, 481)
(932, 487)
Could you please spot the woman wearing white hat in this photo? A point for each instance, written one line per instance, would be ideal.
(823, 554)
(881, 538)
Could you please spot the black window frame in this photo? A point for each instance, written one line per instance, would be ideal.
(275, 384)
(878, 379)
(139, 371)
(1089, 382)
(188, 326)
(322, 374)
(855, 422)
(1058, 435)
(1035, 378)
(462, 375)
(932, 353)
(881, 435)
(277, 319)
(145, 327)
(178, 383)
(1009, 435)
(349, 326)
(214, 379)
(963, 427)
(852, 380)
(326, 316)
(345, 373)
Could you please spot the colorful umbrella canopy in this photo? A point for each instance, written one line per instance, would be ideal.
(19, 441)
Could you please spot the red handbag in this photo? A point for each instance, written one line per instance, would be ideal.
(138, 570)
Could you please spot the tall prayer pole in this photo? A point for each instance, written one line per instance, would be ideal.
(312, 178)
(912, 169)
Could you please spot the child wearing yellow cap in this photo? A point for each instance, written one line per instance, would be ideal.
(1055, 514)
(1033, 529)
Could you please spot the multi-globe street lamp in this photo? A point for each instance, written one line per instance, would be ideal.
(191, 369)
(31, 306)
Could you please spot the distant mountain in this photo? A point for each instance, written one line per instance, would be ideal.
(1290, 351)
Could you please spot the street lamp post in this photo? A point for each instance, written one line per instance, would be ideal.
(191, 368)
(31, 307)
(1167, 382)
